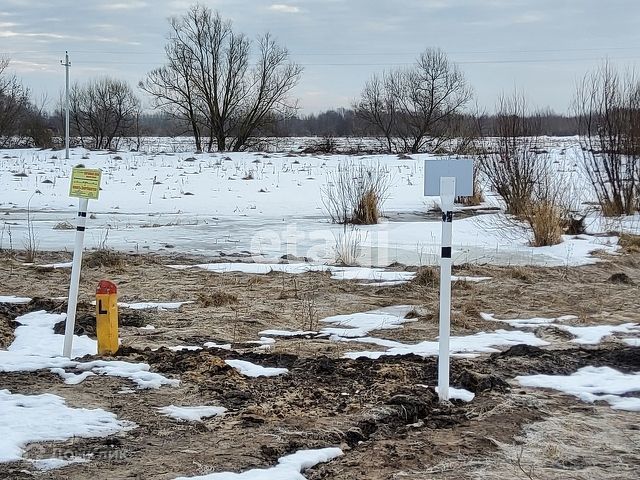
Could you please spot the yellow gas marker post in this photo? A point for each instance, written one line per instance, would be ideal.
(107, 317)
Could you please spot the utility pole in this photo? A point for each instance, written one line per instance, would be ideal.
(66, 64)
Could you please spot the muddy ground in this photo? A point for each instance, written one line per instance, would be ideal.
(380, 413)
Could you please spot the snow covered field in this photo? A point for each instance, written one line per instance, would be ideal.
(262, 205)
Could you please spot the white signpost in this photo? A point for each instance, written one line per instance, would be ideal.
(85, 185)
(447, 178)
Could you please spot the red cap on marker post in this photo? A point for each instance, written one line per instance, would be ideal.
(106, 287)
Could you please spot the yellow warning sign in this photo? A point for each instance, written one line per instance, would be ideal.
(85, 183)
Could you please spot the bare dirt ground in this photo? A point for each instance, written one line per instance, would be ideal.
(378, 411)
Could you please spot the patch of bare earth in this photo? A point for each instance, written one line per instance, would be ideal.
(389, 425)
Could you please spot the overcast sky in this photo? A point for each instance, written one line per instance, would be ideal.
(538, 46)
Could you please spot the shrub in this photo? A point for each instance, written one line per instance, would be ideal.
(512, 167)
(355, 193)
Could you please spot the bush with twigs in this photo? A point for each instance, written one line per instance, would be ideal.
(608, 110)
(512, 165)
(355, 193)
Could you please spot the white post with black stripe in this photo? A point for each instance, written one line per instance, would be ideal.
(447, 178)
(75, 277)
(85, 185)
(447, 197)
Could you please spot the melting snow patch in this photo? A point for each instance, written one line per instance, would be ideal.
(222, 346)
(136, 372)
(36, 347)
(188, 348)
(56, 265)
(249, 369)
(286, 333)
(337, 273)
(478, 343)
(633, 342)
(594, 334)
(360, 324)
(289, 467)
(528, 322)
(13, 299)
(456, 278)
(191, 414)
(592, 384)
(48, 419)
(47, 464)
(153, 305)
(459, 394)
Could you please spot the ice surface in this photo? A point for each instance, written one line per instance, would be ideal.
(592, 384)
(204, 206)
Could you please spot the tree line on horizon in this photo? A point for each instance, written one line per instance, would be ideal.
(211, 90)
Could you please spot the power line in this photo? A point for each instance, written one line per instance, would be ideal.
(348, 54)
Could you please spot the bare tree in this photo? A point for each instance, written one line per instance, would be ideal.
(104, 110)
(415, 109)
(608, 110)
(210, 82)
(14, 105)
(172, 88)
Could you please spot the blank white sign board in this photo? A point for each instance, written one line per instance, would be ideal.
(459, 168)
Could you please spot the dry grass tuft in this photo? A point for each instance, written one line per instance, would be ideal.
(427, 276)
(546, 220)
(520, 273)
(367, 212)
(630, 243)
(216, 299)
(105, 258)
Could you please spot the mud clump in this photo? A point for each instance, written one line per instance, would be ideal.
(620, 279)
(480, 382)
